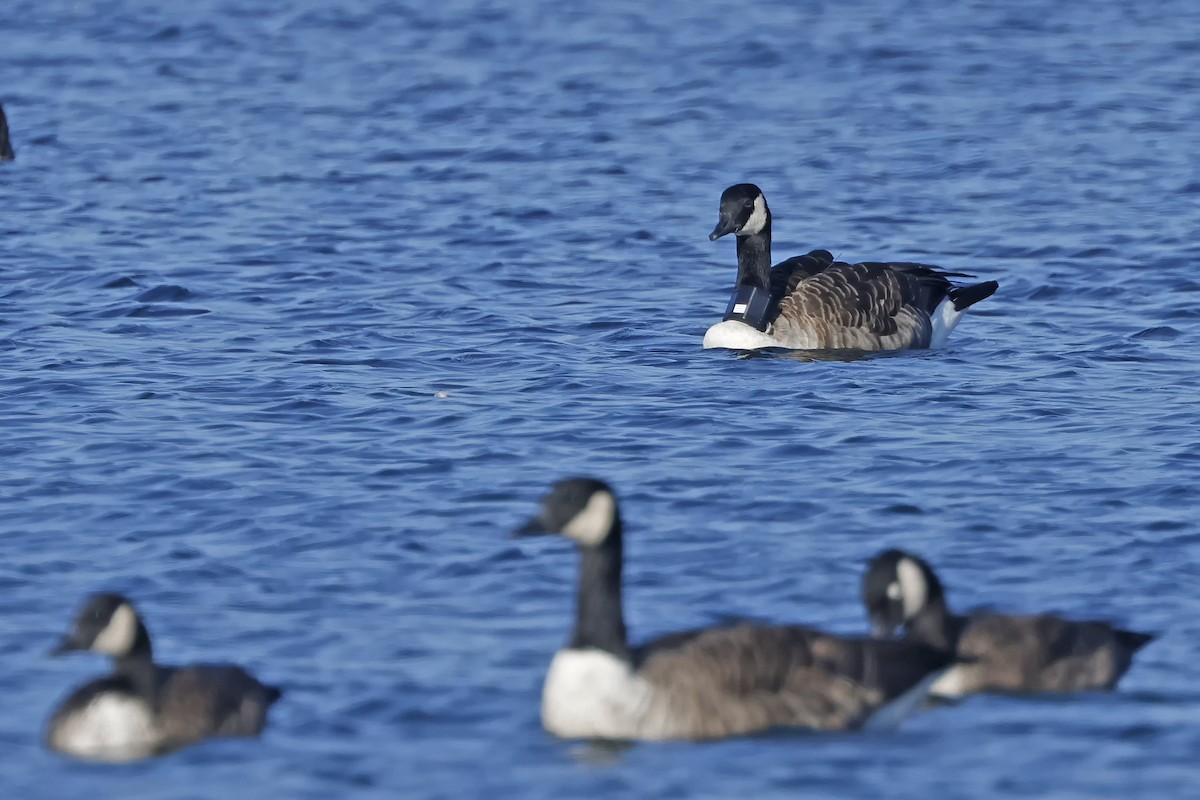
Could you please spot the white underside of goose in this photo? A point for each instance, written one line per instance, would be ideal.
(943, 319)
(112, 727)
(734, 335)
(952, 683)
(592, 694)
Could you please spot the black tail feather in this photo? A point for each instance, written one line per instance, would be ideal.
(1133, 640)
(964, 297)
(6, 151)
(273, 693)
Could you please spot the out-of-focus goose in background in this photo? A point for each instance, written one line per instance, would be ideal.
(999, 652)
(142, 709)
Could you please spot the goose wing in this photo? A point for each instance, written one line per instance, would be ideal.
(787, 275)
(869, 295)
(1044, 652)
(212, 700)
(725, 681)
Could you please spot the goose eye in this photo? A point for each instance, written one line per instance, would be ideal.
(748, 204)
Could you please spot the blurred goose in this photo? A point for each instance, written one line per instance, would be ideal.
(6, 151)
(142, 709)
(1000, 653)
(812, 302)
(707, 683)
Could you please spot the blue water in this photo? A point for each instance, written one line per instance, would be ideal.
(301, 309)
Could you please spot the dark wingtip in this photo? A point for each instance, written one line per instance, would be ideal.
(1134, 640)
(938, 658)
(966, 296)
(6, 151)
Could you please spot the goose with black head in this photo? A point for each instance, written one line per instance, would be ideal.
(813, 302)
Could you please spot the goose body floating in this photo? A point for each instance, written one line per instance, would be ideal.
(812, 302)
(999, 652)
(143, 709)
(707, 683)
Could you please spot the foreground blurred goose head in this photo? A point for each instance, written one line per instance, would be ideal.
(897, 588)
(108, 624)
(582, 509)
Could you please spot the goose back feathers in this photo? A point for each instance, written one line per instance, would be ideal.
(1000, 652)
(706, 683)
(816, 302)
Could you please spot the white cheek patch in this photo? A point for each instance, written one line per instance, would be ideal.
(758, 219)
(914, 590)
(119, 634)
(591, 525)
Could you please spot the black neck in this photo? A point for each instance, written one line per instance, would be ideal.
(754, 259)
(140, 651)
(599, 620)
(936, 626)
(137, 666)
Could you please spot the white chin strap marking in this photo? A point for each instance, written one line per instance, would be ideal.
(592, 524)
(117, 637)
(914, 591)
(758, 219)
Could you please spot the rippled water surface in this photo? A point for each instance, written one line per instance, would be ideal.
(302, 308)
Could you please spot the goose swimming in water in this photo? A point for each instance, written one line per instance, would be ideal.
(1000, 653)
(143, 709)
(707, 683)
(812, 302)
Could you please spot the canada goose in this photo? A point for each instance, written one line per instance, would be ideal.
(999, 653)
(812, 302)
(142, 709)
(707, 683)
(6, 151)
